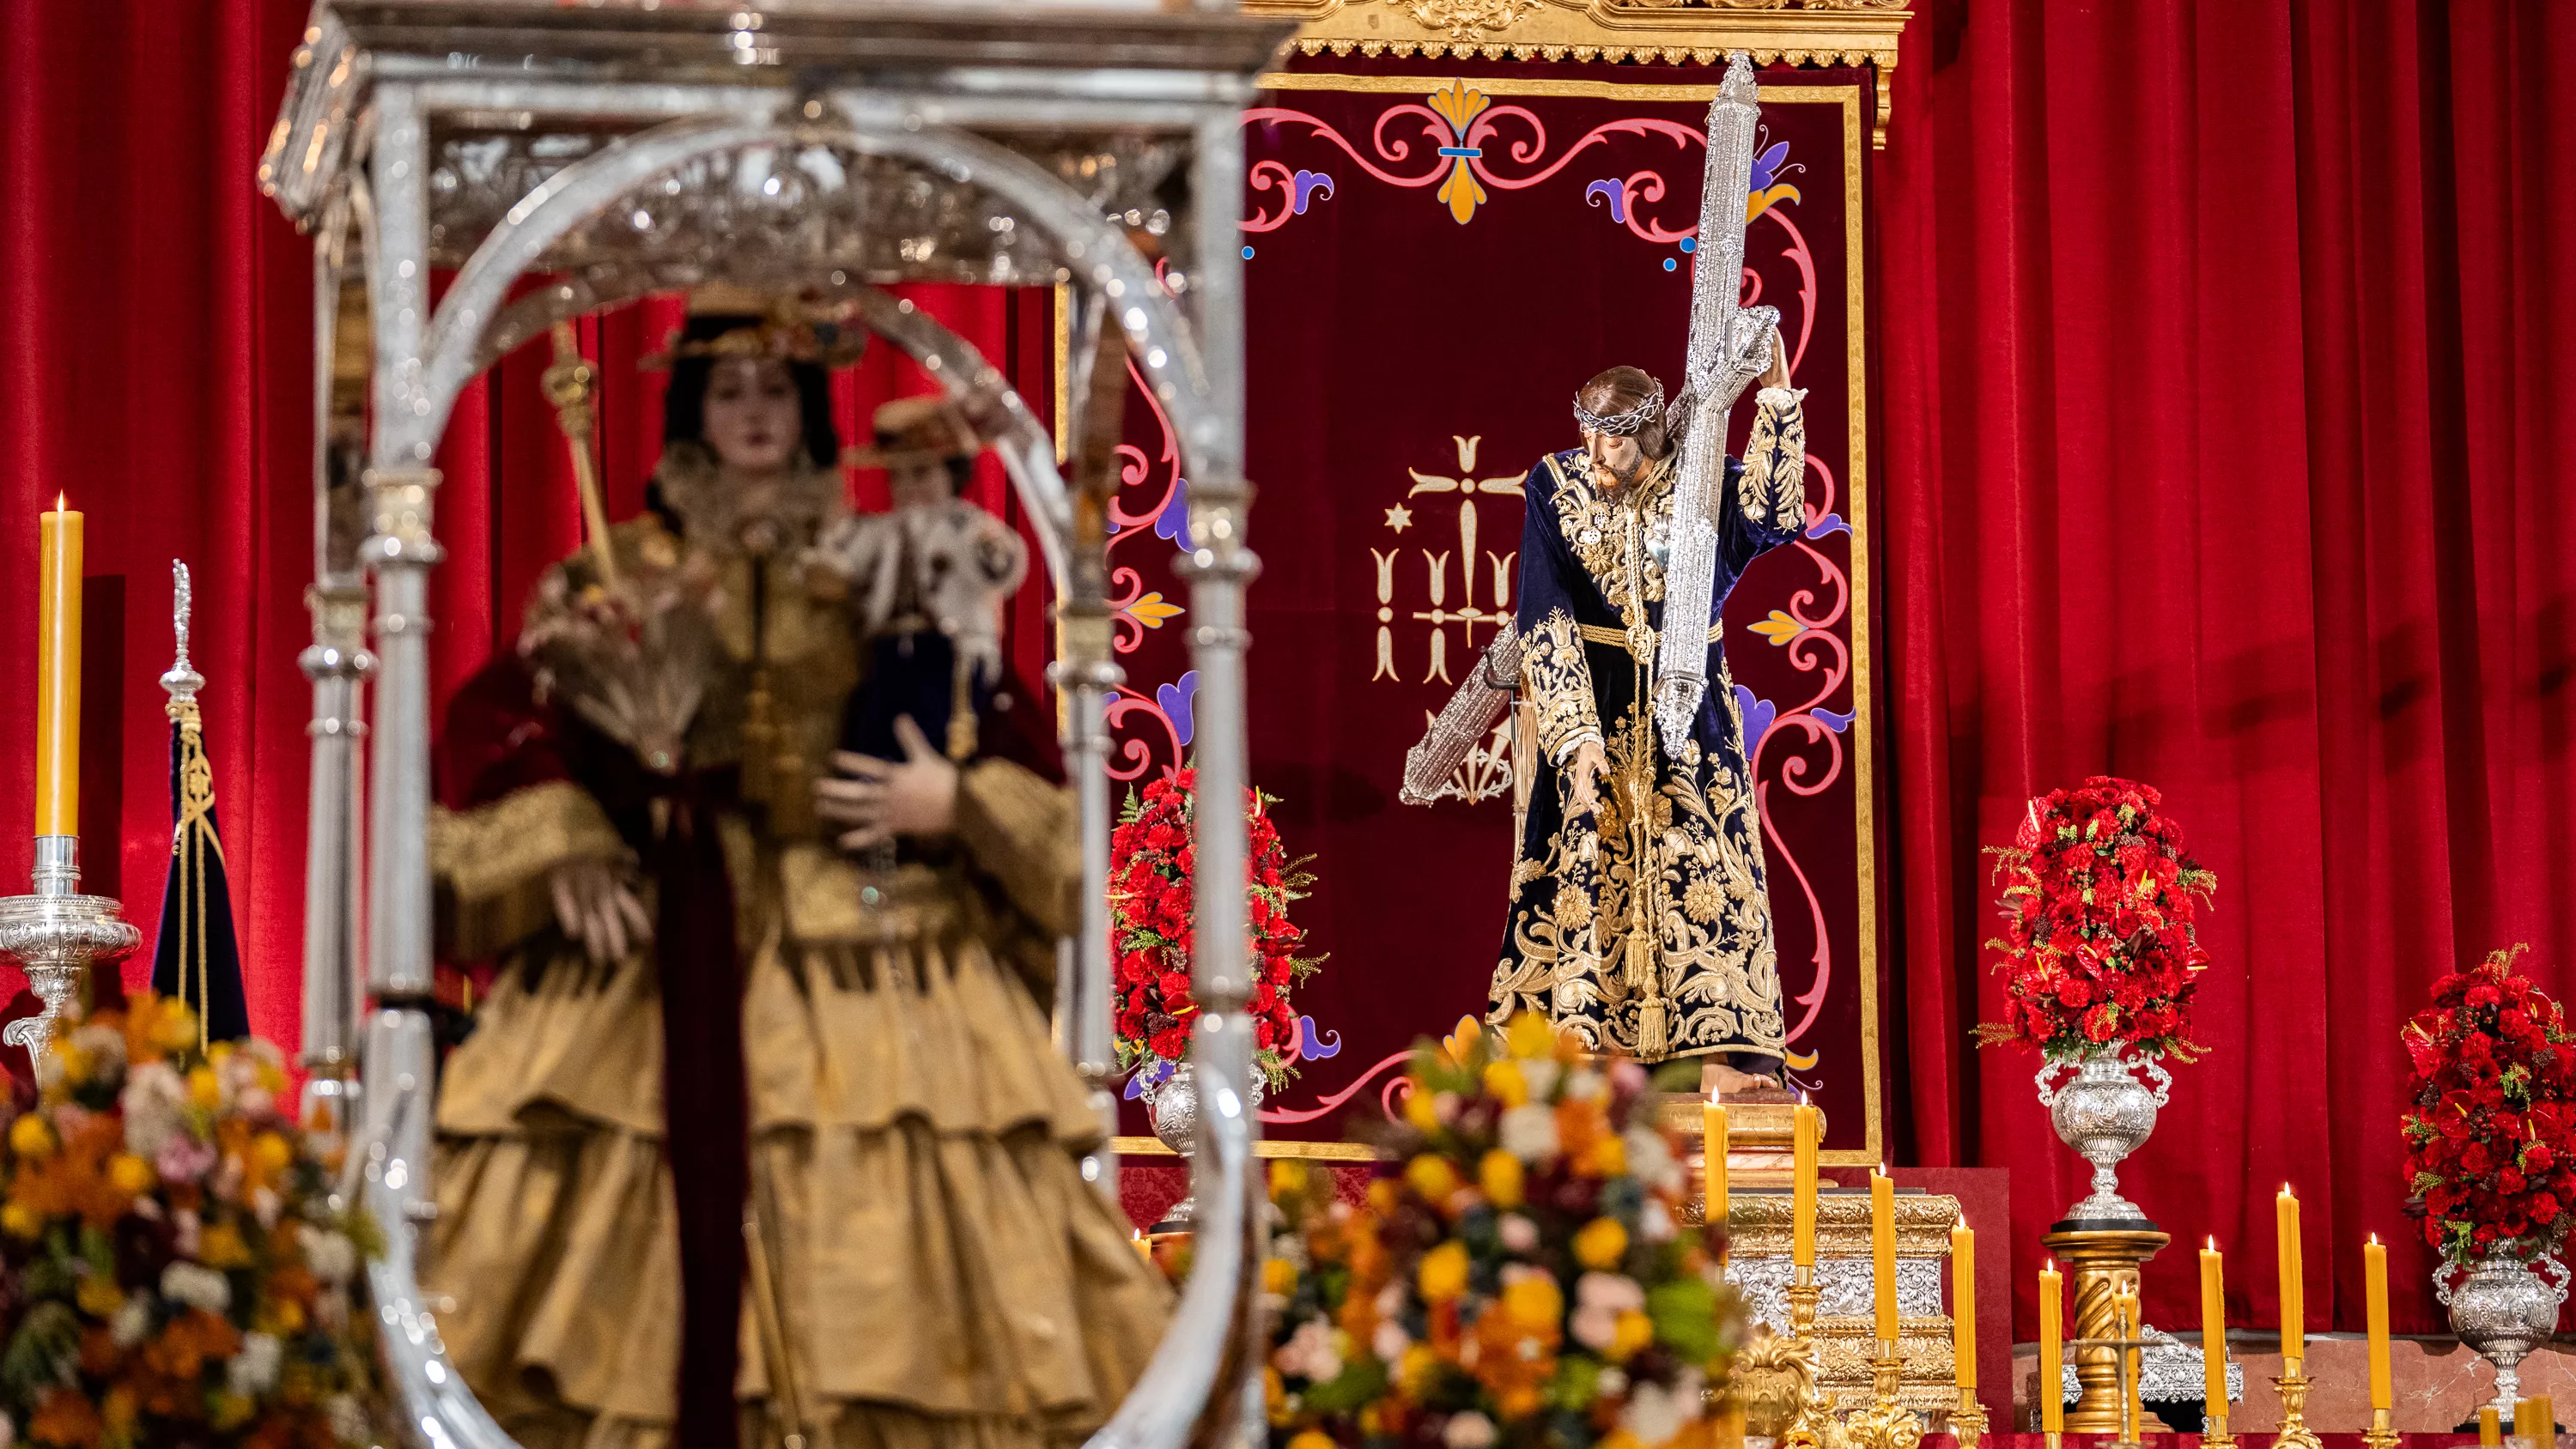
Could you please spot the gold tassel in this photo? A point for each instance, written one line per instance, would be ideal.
(1652, 1035)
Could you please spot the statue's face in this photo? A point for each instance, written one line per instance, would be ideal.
(1619, 456)
(918, 483)
(752, 418)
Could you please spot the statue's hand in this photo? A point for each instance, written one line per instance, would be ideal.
(597, 907)
(878, 800)
(1777, 374)
(1583, 776)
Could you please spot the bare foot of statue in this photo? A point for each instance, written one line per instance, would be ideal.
(1717, 1079)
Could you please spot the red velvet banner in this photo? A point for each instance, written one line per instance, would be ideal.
(1435, 259)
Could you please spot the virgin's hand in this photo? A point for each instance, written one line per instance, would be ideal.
(878, 799)
(596, 907)
(1583, 776)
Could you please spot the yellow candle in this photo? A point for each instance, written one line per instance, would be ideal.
(1713, 1141)
(2526, 1419)
(2544, 1429)
(1802, 1189)
(2374, 1277)
(1882, 1249)
(2125, 1308)
(2052, 1349)
(1963, 1304)
(2294, 1339)
(58, 672)
(2213, 1330)
(2490, 1433)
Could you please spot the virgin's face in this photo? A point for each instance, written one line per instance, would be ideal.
(918, 484)
(752, 419)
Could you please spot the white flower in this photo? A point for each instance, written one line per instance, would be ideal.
(1519, 1234)
(1594, 1327)
(1651, 1160)
(1469, 1430)
(8, 1431)
(1653, 1415)
(331, 1256)
(1390, 1341)
(1540, 1074)
(185, 1226)
(1310, 1353)
(1613, 1382)
(133, 1321)
(1585, 1083)
(1390, 1300)
(105, 1048)
(253, 1371)
(265, 1205)
(197, 1286)
(1528, 1132)
(348, 1421)
(1599, 1300)
(1654, 1223)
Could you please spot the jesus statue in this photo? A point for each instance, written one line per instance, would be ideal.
(1638, 917)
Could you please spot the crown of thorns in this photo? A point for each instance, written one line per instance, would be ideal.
(1621, 424)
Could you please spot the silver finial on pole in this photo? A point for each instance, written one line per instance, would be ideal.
(182, 681)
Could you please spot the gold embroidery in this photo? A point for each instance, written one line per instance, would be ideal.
(1620, 543)
(1560, 682)
(491, 866)
(1773, 489)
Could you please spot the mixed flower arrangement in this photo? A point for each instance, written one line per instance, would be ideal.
(2491, 1138)
(173, 1267)
(1525, 1281)
(1151, 859)
(2100, 950)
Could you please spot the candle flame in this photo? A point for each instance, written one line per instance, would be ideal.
(2285, 1191)
(2374, 1240)
(2048, 1266)
(2213, 1242)
(58, 504)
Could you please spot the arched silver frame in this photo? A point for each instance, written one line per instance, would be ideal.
(370, 94)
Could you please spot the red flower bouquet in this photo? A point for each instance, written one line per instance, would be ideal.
(2491, 1139)
(2099, 948)
(1151, 860)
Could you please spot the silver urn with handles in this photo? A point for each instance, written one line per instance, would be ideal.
(2105, 1112)
(2503, 1307)
(1174, 1103)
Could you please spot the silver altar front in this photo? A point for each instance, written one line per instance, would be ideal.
(827, 147)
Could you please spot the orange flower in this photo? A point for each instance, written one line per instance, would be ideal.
(67, 1419)
(1580, 1124)
(131, 1174)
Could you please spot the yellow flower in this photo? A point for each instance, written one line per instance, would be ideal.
(1414, 1368)
(74, 1061)
(1372, 1421)
(1431, 1175)
(1531, 1035)
(1381, 1195)
(1607, 1156)
(21, 1221)
(1503, 1080)
(31, 1137)
(130, 1174)
(1601, 1244)
(1443, 1274)
(204, 1089)
(98, 1296)
(1620, 1439)
(1632, 1331)
(1420, 1110)
(1462, 1039)
(230, 1411)
(1287, 1177)
(1312, 1439)
(270, 1152)
(174, 1027)
(1279, 1276)
(221, 1246)
(1534, 1301)
(1501, 1176)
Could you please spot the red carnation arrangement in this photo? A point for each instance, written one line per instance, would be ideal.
(2099, 947)
(2491, 1139)
(1151, 860)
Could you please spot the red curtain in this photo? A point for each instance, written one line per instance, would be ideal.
(156, 366)
(2225, 348)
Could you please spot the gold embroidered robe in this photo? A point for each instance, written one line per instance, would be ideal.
(1641, 923)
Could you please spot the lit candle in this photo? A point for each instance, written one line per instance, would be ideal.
(1802, 1188)
(2490, 1433)
(2374, 1278)
(1963, 1304)
(2052, 1349)
(1882, 1249)
(2294, 1339)
(1713, 1142)
(58, 672)
(2213, 1330)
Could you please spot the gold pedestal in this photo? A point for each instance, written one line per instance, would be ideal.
(2100, 1264)
(1885, 1423)
(2215, 1435)
(2293, 1384)
(1968, 1421)
(1761, 1128)
(2381, 1434)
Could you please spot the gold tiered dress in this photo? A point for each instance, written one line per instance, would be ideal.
(944, 1277)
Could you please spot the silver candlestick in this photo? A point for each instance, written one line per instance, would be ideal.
(56, 935)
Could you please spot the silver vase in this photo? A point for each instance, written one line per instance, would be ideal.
(2503, 1307)
(1174, 1104)
(2105, 1113)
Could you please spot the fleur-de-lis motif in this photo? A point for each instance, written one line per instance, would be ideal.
(1458, 103)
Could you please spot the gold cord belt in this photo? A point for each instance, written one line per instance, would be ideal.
(1643, 648)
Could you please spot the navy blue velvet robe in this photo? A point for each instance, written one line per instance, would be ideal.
(1640, 922)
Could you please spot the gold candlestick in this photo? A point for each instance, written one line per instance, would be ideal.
(1885, 1424)
(2213, 1434)
(2381, 1434)
(1814, 1424)
(1968, 1421)
(2293, 1384)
